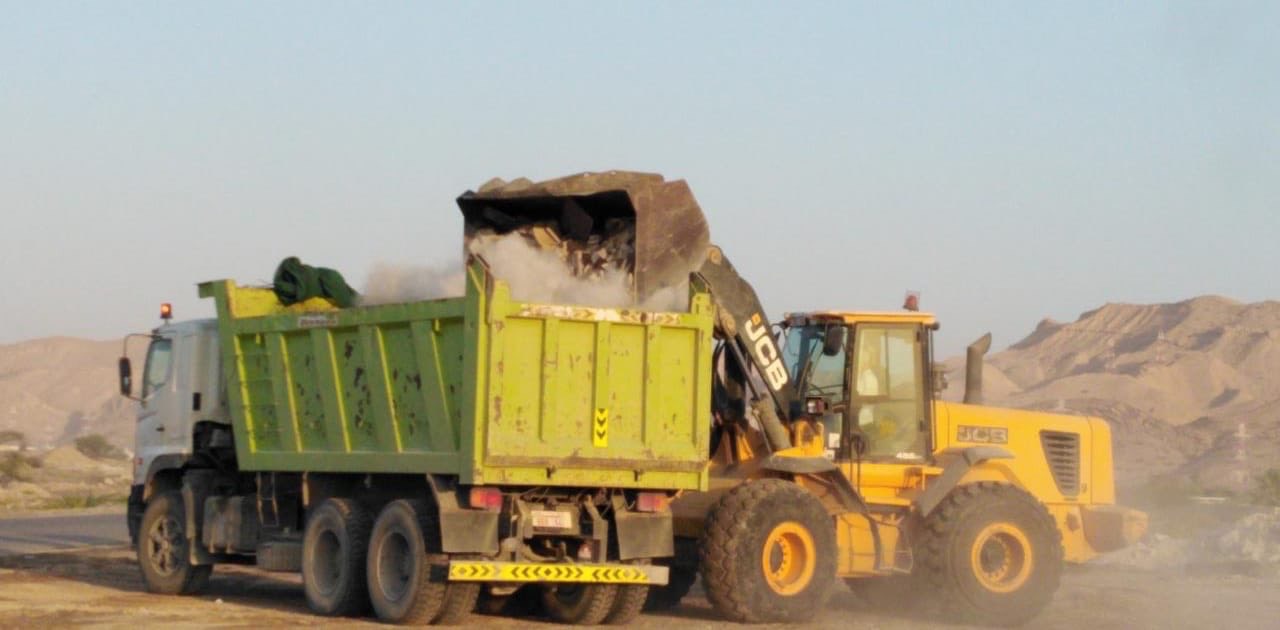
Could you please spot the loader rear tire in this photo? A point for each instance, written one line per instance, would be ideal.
(333, 558)
(402, 586)
(768, 553)
(163, 554)
(992, 553)
(579, 604)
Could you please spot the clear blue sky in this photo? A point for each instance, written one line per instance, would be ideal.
(1011, 161)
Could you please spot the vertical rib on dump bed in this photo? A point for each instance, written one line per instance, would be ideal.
(492, 390)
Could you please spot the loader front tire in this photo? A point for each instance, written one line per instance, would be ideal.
(992, 553)
(768, 553)
(163, 555)
(333, 558)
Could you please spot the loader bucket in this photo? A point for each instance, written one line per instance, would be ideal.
(638, 222)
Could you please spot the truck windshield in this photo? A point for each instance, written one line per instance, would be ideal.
(157, 371)
(814, 373)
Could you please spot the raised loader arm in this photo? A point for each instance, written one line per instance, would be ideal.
(749, 339)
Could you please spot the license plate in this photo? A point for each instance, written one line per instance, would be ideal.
(548, 519)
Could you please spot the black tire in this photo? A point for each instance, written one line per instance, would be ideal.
(402, 586)
(992, 553)
(792, 526)
(579, 604)
(459, 602)
(333, 558)
(627, 604)
(163, 553)
(677, 587)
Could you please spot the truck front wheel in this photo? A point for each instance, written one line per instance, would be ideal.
(163, 554)
(333, 558)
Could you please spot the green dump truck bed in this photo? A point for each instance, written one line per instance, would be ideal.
(489, 389)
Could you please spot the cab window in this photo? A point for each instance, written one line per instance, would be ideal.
(888, 391)
(814, 371)
(159, 359)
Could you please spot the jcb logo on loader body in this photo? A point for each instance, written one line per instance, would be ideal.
(988, 435)
(766, 352)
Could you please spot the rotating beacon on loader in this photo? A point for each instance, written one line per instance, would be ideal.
(833, 457)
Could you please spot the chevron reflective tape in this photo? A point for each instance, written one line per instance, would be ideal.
(481, 571)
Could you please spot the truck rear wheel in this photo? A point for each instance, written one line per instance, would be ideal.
(768, 553)
(163, 555)
(627, 604)
(580, 604)
(401, 585)
(460, 600)
(333, 558)
(992, 552)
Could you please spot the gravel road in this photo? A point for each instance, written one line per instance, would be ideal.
(100, 588)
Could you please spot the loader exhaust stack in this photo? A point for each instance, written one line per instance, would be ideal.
(973, 369)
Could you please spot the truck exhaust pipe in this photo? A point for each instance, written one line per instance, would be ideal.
(973, 369)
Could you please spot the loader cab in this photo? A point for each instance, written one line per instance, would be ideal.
(866, 376)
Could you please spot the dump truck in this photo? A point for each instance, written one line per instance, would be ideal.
(405, 456)
(834, 457)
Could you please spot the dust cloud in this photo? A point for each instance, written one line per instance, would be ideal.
(541, 275)
(390, 283)
(534, 275)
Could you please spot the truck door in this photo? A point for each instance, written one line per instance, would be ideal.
(161, 428)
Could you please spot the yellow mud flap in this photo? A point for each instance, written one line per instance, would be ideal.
(482, 571)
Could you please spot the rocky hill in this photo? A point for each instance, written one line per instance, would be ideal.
(57, 389)
(1191, 388)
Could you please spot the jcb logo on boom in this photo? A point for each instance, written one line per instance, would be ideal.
(766, 351)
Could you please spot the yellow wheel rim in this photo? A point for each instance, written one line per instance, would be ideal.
(1001, 558)
(788, 558)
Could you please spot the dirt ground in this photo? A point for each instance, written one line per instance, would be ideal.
(100, 588)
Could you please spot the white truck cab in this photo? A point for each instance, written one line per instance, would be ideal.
(181, 386)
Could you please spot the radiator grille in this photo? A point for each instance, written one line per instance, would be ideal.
(1062, 451)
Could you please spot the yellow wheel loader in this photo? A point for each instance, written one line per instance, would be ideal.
(832, 457)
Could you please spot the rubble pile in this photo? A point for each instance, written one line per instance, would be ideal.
(1250, 545)
(1254, 539)
(597, 256)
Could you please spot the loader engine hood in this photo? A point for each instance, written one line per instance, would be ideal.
(1062, 456)
(637, 223)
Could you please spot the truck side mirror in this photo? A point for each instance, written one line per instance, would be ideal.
(833, 341)
(126, 377)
